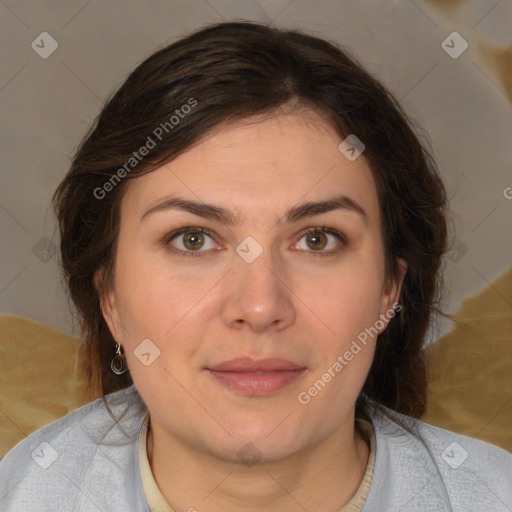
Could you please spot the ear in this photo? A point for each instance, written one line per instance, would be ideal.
(392, 288)
(108, 304)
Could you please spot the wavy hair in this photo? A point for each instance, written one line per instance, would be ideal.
(233, 71)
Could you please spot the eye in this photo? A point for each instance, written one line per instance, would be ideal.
(317, 239)
(189, 241)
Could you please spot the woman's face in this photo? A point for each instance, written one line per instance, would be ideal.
(253, 284)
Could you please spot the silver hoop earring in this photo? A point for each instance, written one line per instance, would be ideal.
(118, 364)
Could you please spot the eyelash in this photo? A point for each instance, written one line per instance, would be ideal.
(331, 231)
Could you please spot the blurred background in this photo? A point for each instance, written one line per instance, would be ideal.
(449, 62)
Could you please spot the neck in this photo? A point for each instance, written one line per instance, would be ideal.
(321, 478)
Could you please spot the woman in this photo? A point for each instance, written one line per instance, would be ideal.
(252, 236)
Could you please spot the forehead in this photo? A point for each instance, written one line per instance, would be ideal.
(259, 166)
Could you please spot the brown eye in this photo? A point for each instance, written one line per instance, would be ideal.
(190, 242)
(193, 240)
(321, 241)
(316, 240)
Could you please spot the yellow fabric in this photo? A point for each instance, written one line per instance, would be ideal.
(157, 502)
(40, 378)
(470, 389)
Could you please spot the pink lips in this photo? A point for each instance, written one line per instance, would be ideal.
(252, 377)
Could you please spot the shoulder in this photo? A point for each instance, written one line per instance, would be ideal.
(89, 449)
(422, 467)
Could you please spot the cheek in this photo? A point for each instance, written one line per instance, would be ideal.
(350, 308)
(149, 291)
(349, 305)
(159, 303)
(350, 299)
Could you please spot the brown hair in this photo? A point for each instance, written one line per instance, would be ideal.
(227, 72)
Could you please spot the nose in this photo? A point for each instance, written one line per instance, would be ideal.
(259, 296)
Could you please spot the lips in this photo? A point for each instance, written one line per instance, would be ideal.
(246, 364)
(252, 377)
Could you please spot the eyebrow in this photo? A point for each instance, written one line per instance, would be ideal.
(225, 216)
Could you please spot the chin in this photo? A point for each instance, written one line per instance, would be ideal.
(256, 450)
(263, 440)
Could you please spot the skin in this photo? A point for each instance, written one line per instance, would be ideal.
(290, 302)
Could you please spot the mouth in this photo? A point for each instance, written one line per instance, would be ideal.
(257, 378)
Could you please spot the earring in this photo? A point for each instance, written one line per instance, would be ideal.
(118, 364)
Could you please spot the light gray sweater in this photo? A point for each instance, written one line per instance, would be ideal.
(86, 462)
